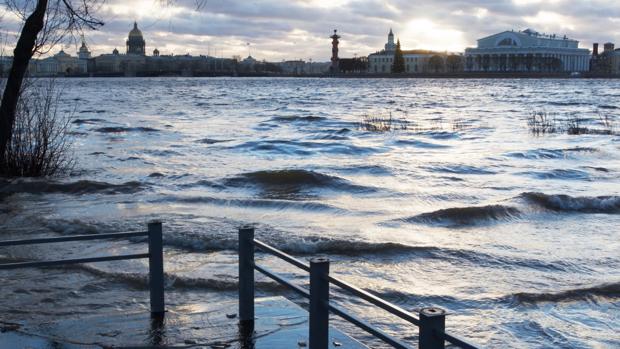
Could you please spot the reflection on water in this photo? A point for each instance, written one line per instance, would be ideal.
(516, 235)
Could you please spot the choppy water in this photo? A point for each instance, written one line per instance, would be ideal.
(515, 235)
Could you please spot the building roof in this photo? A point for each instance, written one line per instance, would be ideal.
(62, 53)
(406, 52)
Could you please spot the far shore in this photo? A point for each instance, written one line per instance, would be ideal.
(458, 75)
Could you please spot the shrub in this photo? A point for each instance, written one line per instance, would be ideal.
(41, 145)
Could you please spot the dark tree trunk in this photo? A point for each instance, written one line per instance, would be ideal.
(21, 58)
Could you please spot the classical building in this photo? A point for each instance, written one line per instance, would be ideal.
(135, 42)
(416, 61)
(59, 64)
(527, 51)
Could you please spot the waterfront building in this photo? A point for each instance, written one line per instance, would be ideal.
(606, 62)
(135, 42)
(615, 62)
(526, 51)
(249, 62)
(59, 64)
(416, 61)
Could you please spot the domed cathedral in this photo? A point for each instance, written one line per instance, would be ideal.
(135, 42)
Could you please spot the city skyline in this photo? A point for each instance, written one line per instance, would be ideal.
(300, 29)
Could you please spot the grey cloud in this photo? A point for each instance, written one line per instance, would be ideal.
(271, 25)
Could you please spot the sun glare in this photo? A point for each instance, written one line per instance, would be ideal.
(426, 34)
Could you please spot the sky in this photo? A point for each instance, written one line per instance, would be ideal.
(275, 30)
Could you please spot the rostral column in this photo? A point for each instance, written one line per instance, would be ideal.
(335, 59)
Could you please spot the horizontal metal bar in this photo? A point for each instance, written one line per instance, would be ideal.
(72, 238)
(457, 341)
(71, 261)
(383, 304)
(286, 257)
(368, 328)
(282, 281)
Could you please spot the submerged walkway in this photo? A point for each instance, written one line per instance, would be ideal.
(279, 324)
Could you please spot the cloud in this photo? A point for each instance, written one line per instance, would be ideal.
(300, 28)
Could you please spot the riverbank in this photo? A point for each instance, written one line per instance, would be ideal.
(459, 75)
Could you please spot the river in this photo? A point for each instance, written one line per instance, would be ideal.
(459, 205)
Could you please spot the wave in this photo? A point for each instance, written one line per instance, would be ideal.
(140, 280)
(300, 148)
(560, 174)
(550, 153)
(566, 203)
(341, 247)
(258, 203)
(211, 141)
(376, 170)
(79, 187)
(420, 144)
(298, 246)
(202, 183)
(466, 215)
(607, 290)
(459, 169)
(309, 118)
(88, 121)
(294, 180)
(122, 129)
(440, 134)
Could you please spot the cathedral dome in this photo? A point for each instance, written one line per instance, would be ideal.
(135, 32)
(135, 41)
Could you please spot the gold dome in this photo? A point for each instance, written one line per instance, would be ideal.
(135, 32)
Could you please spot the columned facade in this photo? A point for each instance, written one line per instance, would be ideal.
(526, 51)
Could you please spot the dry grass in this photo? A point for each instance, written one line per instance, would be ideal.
(390, 123)
(380, 123)
(542, 123)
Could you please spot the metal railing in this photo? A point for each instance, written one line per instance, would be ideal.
(431, 321)
(155, 256)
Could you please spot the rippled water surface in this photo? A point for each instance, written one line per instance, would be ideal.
(515, 235)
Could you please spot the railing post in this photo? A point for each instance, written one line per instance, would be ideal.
(246, 277)
(156, 268)
(319, 303)
(432, 322)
